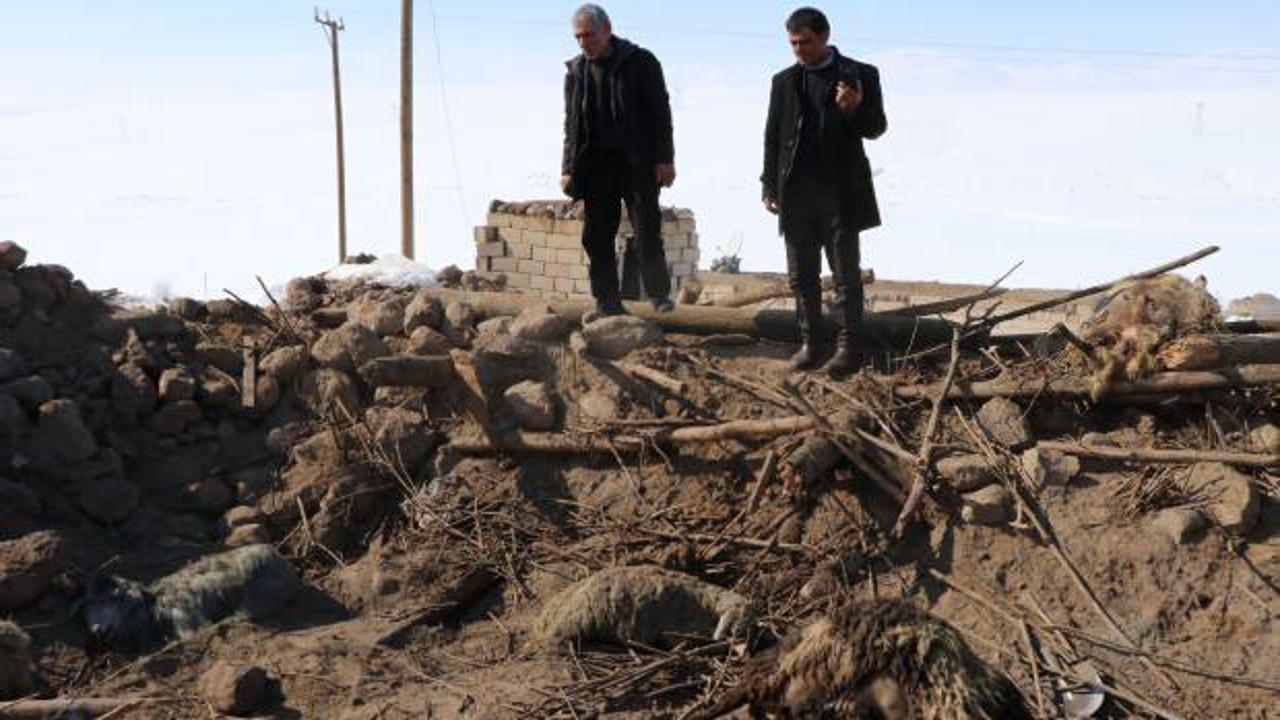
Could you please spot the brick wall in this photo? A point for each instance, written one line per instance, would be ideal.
(538, 246)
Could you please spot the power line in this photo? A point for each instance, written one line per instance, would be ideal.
(448, 115)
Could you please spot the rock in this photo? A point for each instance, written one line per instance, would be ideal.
(1266, 439)
(281, 439)
(12, 255)
(494, 326)
(329, 317)
(188, 309)
(10, 296)
(110, 500)
(1098, 439)
(11, 365)
(598, 405)
(243, 535)
(133, 394)
(1180, 525)
(502, 361)
(227, 359)
(1046, 468)
(235, 691)
(541, 324)
(532, 405)
(60, 437)
(267, 394)
(243, 515)
(428, 341)
(217, 391)
(13, 424)
(461, 316)
(17, 667)
(347, 348)
(383, 317)
(967, 473)
(330, 393)
(1234, 500)
(177, 384)
(212, 495)
(434, 371)
(28, 566)
(402, 434)
(613, 338)
(991, 506)
(32, 391)
(174, 418)
(423, 311)
(19, 497)
(578, 343)
(148, 324)
(1005, 423)
(286, 364)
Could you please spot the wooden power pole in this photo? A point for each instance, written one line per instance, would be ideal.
(331, 29)
(406, 129)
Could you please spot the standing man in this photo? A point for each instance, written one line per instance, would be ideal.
(617, 148)
(818, 180)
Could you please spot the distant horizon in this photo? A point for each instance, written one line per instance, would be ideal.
(153, 146)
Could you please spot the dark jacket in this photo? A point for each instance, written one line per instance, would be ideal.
(841, 139)
(640, 104)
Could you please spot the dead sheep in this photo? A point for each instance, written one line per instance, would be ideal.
(881, 659)
(17, 668)
(254, 582)
(646, 605)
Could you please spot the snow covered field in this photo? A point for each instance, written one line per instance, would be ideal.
(1085, 171)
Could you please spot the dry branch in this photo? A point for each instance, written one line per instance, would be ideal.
(1170, 383)
(1208, 352)
(1176, 457)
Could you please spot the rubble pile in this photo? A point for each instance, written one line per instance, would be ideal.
(369, 500)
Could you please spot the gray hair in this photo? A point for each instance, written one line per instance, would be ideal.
(594, 13)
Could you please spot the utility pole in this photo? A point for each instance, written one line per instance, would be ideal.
(331, 29)
(406, 129)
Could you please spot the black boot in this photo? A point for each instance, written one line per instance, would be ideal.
(849, 357)
(812, 344)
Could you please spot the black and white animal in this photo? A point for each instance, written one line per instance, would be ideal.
(254, 582)
(880, 660)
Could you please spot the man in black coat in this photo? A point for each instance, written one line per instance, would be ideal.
(617, 148)
(818, 180)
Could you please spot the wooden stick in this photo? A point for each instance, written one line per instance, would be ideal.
(654, 377)
(67, 707)
(1098, 289)
(1160, 384)
(924, 461)
(1174, 457)
(780, 290)
(1207, 352)
(945, 306)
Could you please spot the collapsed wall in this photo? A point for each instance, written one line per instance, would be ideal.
(538, 246)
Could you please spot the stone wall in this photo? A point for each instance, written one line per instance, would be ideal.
(538, 246)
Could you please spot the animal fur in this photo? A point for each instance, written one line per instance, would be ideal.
(1134, 322)
(253, 581)
(879, 659)
(645, 604)
(17, 668)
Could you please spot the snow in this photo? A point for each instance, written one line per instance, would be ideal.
(389, 270)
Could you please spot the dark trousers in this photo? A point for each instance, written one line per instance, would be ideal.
(609, 182)
(813, 224)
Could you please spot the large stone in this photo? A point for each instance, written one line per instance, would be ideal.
(1180, 525)
(60, 437)
(243, 515)
(1233, 497)
(967, 473)
(227, 359)
(494, 326)
(330, 393)
(1266, 439)
(177, 384)
(541, 324)
(32, 391)
(12, 255)
(992, 506)
(598, 405)
(286, 363)
(423, 311)
(267, 394)
(348, 347)
(460, 315)
(402, 434)
(613, 338)
(188, 309)
(238, 691)
(17, 667)
(13, 423)
(428, 341)
(1005, 422)
(383, 317)
(502, 361)
(148, 324)
(110, 500)
(10, 297)
(174, 418)
(1047, 468)
(28, 566)
(532, 405)
(212, 496)
(18, 497)
(11, 365)
(243, 535)
(409, 371)
(217, 391)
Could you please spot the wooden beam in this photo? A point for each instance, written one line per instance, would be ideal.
(1170, 383)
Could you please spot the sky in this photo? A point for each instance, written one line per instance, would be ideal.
(182, 148)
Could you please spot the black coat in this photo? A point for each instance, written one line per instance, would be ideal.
(841, 139)
(640, 105)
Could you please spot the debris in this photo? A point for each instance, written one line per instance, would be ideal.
(992, 506)
(541, 324)
(533, 405)
(613, 338)
(967, 473)
(1005, 422)
(1048, 468)
(409, 371)
(30, 564)
(1235, 502)
(348, 348)
(1179, 524)
(237, 691)
(17, 668)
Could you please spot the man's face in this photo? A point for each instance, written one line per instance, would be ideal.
(593, 38)
(809, 47)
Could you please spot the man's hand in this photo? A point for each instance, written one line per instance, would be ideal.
(848, 97)
(771, 204)
(665, 174)
(564, 182)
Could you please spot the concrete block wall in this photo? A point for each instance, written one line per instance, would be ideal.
(538, 246)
